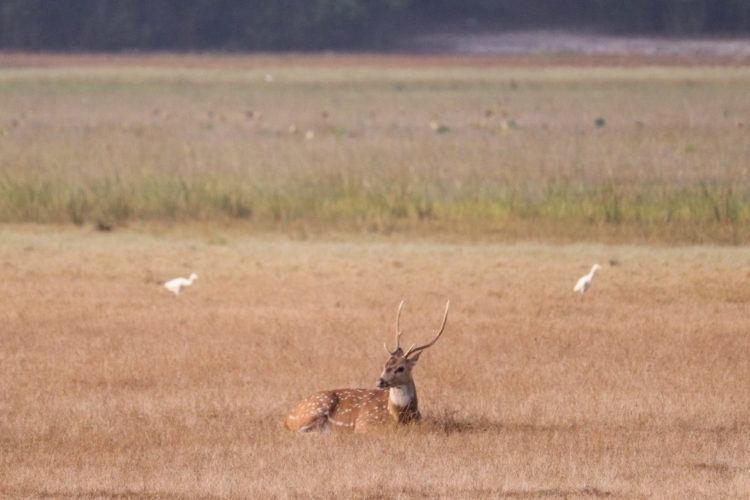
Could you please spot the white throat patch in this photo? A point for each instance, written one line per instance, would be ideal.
(401, 396)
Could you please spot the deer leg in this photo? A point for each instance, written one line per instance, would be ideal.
(319, 425)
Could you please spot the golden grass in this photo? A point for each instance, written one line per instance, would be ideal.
(112, 386)
(481, 148)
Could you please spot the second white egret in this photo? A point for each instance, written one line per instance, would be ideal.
(584, 283)
(176, 285)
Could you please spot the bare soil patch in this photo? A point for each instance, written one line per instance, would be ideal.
(522, 50)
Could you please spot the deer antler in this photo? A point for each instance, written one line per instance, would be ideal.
(398, 333)
(413, 350)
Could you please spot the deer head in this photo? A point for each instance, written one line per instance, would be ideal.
(397, 369)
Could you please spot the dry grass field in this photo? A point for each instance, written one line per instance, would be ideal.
(487, 148)
(111, 386)
(311, 194)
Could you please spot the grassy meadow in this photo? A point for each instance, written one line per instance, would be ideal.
(475, 148)
(311, 194)
(112, 387)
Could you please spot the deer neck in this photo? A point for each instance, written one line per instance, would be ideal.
(402, 402)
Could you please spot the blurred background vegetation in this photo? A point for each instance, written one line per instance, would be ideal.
(113, 25)
(389, 145)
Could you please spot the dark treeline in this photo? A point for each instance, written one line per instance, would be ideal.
(330, 24)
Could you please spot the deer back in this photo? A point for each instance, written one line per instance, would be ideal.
(341, 409)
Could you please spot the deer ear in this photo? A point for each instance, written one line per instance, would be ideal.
(412, 360)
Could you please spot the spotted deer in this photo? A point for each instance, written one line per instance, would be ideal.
(360, 410)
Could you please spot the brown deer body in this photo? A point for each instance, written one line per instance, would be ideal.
(359, 410)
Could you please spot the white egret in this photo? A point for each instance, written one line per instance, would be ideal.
(175, 285)
(584, 283)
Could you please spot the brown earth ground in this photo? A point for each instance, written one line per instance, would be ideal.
(111, 386)
(359, 60)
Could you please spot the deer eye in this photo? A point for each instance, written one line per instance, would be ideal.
(399, 369)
